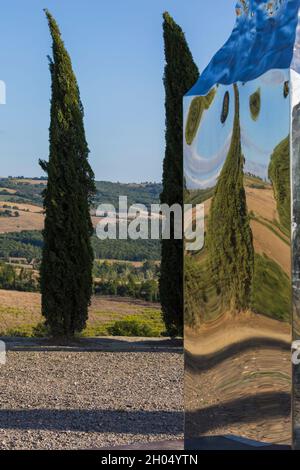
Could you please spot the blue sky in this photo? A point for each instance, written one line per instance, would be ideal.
(117, 53)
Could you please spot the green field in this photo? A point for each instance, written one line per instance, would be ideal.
(112, 316)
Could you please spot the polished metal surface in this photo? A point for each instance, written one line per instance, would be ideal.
(295, 154)
(238, 286)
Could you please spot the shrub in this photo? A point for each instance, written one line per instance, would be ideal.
(41, 330)
(130, 328)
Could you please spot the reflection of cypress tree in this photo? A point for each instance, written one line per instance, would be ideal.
(229, 239)
(279, 174)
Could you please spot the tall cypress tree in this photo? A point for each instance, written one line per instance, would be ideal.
(229, 237)
(180, 75)
(66, 268)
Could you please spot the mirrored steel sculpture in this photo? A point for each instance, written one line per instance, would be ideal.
(242, 288)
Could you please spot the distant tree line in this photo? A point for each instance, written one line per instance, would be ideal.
(127, 280)
(116, 279)
(21, 279)
(28, 244)
(106, 192)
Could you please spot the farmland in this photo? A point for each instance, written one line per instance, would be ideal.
(21, 236)
(20, 314)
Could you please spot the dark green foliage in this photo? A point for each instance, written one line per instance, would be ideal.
(112, 270)
(286, 89)
(229, 238)
(21, 245)
(20, 279)
(147, 290)
(28, 244)
(142, 193)
(271, 293)
(194, 291)
(197, 107)
(127, 280)
(225, 108)
(9, 213)
(255, 104)
(129, 250)
(180, 75)
(131, 327)
(279, 174)
(66, 268)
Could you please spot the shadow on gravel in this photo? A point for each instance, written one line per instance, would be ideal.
(107, 344)
(198, 363)
(244, 410)
(102, 421)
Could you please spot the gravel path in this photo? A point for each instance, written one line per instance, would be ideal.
(98, 394)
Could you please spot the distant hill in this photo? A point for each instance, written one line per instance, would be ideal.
(29, 190)
(257, 169)
(137, 193)
(26, 241)
(28, 244)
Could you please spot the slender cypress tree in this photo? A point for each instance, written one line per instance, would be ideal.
(180, 75)
(229, 237)
(66, 268)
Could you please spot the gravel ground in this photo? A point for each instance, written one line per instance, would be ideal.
(91, 396)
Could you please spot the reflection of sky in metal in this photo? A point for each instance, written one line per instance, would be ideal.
(263, 39)
(296, 57)
(204, 159)
(263, 46)
(259, 138)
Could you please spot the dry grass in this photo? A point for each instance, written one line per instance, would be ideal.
(28, 180)
(268, 240)
(32, 220)
(26, 221)
(265, 241)
(262, 202)
(20, 206)
(8, 190)
(31, 217)
(20, 313)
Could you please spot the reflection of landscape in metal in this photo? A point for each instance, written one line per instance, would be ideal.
(295, 150)
(238, 369)
(205, 156)
(238, 374)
